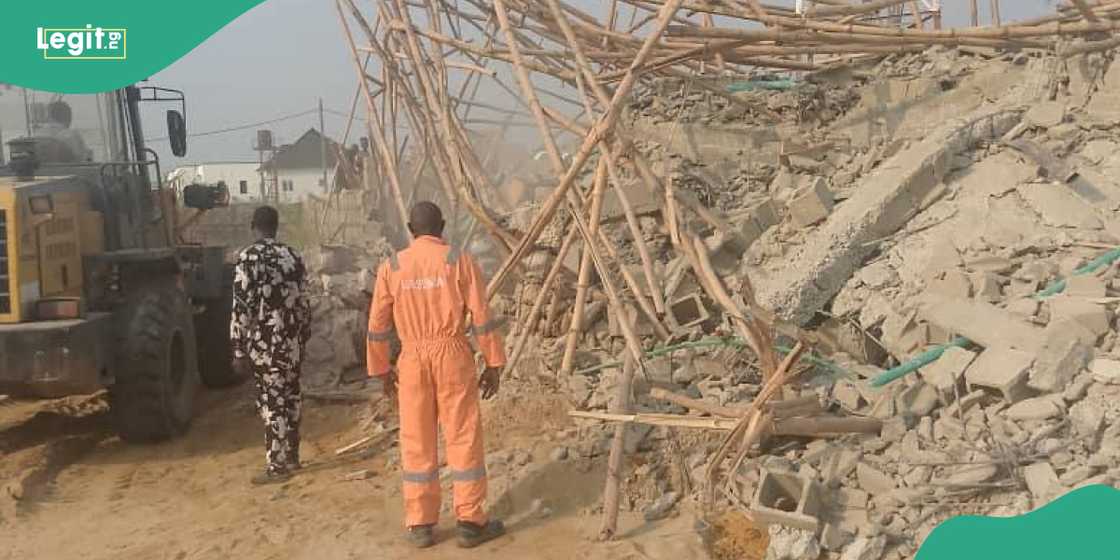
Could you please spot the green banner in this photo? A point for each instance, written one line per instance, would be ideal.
(84, 46)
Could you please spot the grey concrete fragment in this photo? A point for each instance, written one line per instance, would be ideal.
(1003, 370)
(882, 205)
(865, 548)
(789, 543)
(873, 480)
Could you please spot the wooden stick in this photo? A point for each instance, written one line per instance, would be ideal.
(618, 450)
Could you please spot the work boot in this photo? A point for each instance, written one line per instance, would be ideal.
(472, 535)
(271, 477)
(421, 536)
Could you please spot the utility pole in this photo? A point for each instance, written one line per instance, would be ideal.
(323, 145)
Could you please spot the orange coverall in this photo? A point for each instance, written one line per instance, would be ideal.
(424, 294)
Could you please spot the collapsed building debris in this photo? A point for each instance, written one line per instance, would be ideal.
(871, 294)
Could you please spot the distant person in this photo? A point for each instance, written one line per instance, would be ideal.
(269, 329)
(73, 147)
(422, 295)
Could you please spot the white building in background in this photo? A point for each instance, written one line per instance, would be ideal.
(297, 168)
(241, 177)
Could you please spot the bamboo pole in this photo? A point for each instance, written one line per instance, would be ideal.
(601, 129)
(583, 278)
(618, 451)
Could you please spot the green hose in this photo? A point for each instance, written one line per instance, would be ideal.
(932, 355)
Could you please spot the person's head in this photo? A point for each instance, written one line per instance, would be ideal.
(59, 112)
(425, 219)
(266, 221)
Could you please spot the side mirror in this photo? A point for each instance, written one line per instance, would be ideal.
(177, 133)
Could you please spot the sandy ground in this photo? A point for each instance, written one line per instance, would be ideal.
(70, 489)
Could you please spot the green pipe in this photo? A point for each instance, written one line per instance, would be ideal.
(1059, 286)
(931, 355)
(920, 361)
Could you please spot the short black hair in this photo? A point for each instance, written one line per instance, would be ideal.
(266, 219)
(425, 219)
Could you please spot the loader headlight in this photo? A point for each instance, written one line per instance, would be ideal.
(42, 204)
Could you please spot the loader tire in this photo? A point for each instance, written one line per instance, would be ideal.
(215, 354)
(156, 378)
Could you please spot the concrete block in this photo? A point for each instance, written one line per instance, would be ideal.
(950, 284)
(1002, 370)
(812, 203)
(946, 372)
(688, 312)
(873, 480)
(787, 499)
(1063, 356)
(1089, 314)
(642, 201)
(765, 214)
(790, 543)
(986, 286)
(1085, 286)
(1087, 418)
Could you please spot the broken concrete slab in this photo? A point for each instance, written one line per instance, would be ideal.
(790, 543)
(873, 480)
(865, 548)
(1106, 370)
(1059, 207)
(950, 284)
(982, 323)
(883, 204)
(947, 371)
(1002, 370)
(1087, 418)
(986, 286)
(1086, 286)
(1042, 481)
(787, 499)
(1085, 311)
(812, 203)
(1046, 114)
(1037, 408)
(918, 399)
(1062, 357)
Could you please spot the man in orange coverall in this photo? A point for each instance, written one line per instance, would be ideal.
(422, 296)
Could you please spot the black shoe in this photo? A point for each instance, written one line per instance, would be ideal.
(421, 536)
(471, 535)
(271, 477)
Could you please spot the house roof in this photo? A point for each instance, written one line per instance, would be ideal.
(304, 153)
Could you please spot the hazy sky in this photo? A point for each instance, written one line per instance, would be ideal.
(279, 58)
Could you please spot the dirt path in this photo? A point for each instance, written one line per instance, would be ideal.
(70, 489)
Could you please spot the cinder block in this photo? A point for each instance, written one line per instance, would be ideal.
(812, 203)
(688, 311)
(1002, 370)
(787, 499)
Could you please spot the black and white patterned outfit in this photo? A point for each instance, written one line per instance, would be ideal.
(270, 325)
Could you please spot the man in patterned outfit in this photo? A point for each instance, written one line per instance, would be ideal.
(269, 329)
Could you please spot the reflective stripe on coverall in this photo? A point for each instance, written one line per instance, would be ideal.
(425, 293)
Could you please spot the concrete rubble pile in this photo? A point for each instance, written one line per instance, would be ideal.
(851, 300)
(961, 203)
(341, 285)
